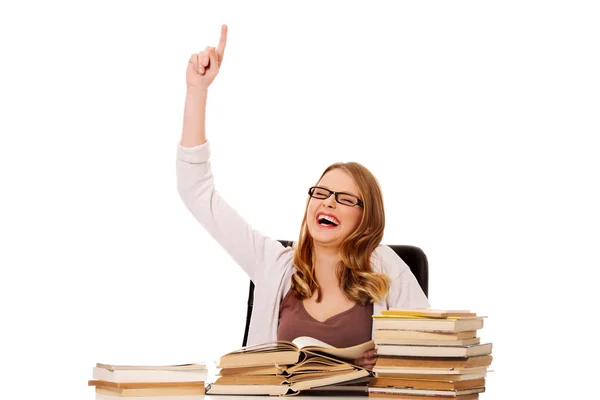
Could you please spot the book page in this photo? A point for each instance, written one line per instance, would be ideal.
(349, 353)
(305, 341)
(266, 347)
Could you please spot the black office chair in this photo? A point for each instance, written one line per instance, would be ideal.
(413, 256)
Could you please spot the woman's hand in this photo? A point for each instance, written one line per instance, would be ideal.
(204, 66)
(368, 360)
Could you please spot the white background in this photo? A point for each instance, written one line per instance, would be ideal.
(479, 119)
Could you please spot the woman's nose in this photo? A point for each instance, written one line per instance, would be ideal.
(330, 201)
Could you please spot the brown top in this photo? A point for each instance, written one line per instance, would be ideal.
(346, 329)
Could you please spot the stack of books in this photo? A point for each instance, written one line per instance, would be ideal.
(145, 381)
(426, 352)
(287, 368)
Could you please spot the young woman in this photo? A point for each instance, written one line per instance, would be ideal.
(336, 277)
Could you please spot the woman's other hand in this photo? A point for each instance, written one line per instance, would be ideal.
(368, 360)
(204, 66)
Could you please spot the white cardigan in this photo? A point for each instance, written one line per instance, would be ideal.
(266, 261)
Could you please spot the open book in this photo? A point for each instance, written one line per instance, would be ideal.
(287, 353)
(285, 368)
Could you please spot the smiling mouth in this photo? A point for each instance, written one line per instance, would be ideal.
(328, 221)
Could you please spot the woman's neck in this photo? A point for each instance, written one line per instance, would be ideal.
(326, 260)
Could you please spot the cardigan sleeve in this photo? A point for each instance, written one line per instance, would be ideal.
(405, 291)
(195, 185)
(408, 293)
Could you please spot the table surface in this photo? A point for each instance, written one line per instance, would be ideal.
(338, 395)
(298, 396)
(238, 397)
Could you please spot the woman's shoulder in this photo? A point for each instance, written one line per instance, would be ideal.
(385, 260)
(277, 262)
(279, 256)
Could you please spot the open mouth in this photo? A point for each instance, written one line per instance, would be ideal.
(328, 221)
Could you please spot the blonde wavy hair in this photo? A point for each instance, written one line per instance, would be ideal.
(355, 275)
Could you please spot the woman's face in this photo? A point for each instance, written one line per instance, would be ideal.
(328, 221)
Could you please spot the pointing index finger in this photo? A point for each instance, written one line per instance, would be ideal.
(222, 41)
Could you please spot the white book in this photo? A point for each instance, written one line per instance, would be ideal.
(426, 392)
(434, 351)
(133, 373)
(183, 397)
(429, 371)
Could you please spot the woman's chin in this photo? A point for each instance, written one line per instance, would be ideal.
(324, 236)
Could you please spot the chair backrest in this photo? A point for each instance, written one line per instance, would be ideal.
(413, 256)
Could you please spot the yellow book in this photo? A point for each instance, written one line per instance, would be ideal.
(428, 313)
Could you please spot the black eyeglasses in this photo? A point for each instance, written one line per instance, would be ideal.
(346, 199)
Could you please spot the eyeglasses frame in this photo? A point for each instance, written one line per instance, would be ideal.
(359, 202)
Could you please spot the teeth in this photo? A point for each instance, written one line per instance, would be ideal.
(328, 218)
